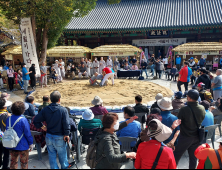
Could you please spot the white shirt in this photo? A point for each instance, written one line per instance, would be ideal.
(96, 64)
(165, 61)
(109, 62)
(192, 64)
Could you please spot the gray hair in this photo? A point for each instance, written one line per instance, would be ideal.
(219, 71)
(55, 96)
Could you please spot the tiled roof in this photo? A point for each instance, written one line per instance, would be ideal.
(150, 14)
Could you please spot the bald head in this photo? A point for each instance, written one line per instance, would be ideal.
(219, 72)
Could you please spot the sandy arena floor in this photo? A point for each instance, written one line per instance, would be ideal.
(79, 93)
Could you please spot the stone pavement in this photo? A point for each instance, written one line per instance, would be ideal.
(34, 163)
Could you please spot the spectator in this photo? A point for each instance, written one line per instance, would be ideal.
(1, 81)
(196, 60)
(159, 68)
(134, 67)
(26, 142)
(133, 129)
(3, 61)
(192, 63)
(58, 130)
(10, 73)
(172, 73)
(156, 111)
(3, 117)
(158, 97)
(26, 77)
(194, 76)
(152, 61)
(6, 66)
(19, 79)
(204, 95)
(140, 108)
(208, 156)
(43, 70)
(189, 139)
(204, 78)
(147, 151)
(29, 108)
(88, 121)
(202, 62)
(217, 85)
(32, 76)
(218, 110)
(54, 75)
(165, 105)
(144, 68)
(46, 101)
(108, 144)
(127, 67)
(73, 71)
(98, 109)
(184, 76)
(134, 60)
(116, 64)
(209, 117)
(73, 127)
(177, 103)
(178, 62)
(82, 71)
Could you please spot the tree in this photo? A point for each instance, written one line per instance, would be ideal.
(49, 17)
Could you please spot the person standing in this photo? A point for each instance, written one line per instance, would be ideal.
(58, 70)
(33, 76)
(10, 73)
(189, 138)
(3, 61)
(116, 64)
(62, 68)
(58, 129)
(20, 80)
(202, 62)
(159, 68)
(26, 77)
(102, 65)
(109, 62)
(91, 68)
(178, 62)
(88, 64)
(184, 76)
(43, 70)
(152, 60)
(96, 66)
(217, 85)
(144, 68)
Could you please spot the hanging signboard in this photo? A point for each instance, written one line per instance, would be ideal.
(8, 57)
(184, 56)
(204, 56)
(115, 54)
(200, 53)
(158, 33)
(159, 42)
(28, 45)
(66, 55)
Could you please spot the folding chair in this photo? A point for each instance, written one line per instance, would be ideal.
(140, 116)
(125, 143)
(210, 134)
(38, 145)
(217, 120)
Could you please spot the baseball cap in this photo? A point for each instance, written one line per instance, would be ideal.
(191, 58)
(178, 94)
(193, 94)
(201, 85)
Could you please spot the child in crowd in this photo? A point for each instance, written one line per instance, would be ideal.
(54, 75)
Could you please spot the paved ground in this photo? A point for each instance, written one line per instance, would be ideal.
(34, 163)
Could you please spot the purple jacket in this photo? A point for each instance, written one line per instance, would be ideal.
(99, 110)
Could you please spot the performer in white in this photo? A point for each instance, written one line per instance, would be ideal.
(88, 65)
(109, 63)
(58, 71)
(91, 68)
(107, 73)
(62, 68)
(116, 64)
(102, 65)
(96, 66)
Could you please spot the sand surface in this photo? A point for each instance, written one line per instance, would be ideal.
(79, 93)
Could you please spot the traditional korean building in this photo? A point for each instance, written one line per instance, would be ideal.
(151, 24)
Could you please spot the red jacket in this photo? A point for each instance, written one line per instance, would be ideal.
(146, 155)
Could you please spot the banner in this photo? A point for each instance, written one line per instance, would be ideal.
(160, 42)
(28, 45)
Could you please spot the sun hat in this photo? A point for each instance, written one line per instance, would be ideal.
(193, 94)
(165, 103)
(206, 104)
(8, 103)
(191, 58)
(97, 101)
(179, 94)
(88, 114)
(162, 132)
(159, 96)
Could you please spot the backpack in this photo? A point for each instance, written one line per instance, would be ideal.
(91, 155)
(208, 96)
(10, 138)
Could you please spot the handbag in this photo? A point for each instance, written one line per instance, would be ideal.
(201, 130)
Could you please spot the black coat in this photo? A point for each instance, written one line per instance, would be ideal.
(33, 72)
(204, 78)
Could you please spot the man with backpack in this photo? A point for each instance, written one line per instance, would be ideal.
(204, 94)
(58, 129)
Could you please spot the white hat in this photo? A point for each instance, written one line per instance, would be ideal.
(97, 101)
(219, 140)
(26, 106)
(88, 114)
(8, 103)
(159, 96)
(165, 103)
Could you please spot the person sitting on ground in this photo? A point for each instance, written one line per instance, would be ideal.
(165, 105)
(208, 156)
(140, 108)
(26, 142)
(209, 117)
(88, 121)
(108, 143)
(29, 108)
(134, 67)
(204, 94)
(148, 151)
(158, 97)
(172, 73)
(177, 103)
(133, 129)
(82, 71)
(217, 110)
(3, 117)
(98, 109)
(204, 78)
(46, 102)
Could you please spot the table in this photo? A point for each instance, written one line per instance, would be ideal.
(129, 73)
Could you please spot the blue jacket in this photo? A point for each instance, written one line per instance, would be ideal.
(221, 61)
(168, 119)
(24, 76)
(30, 111)
(178, 60)
(57, 120)
(21, 127)
(132, 130)
(209, 119)
(202, 62)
